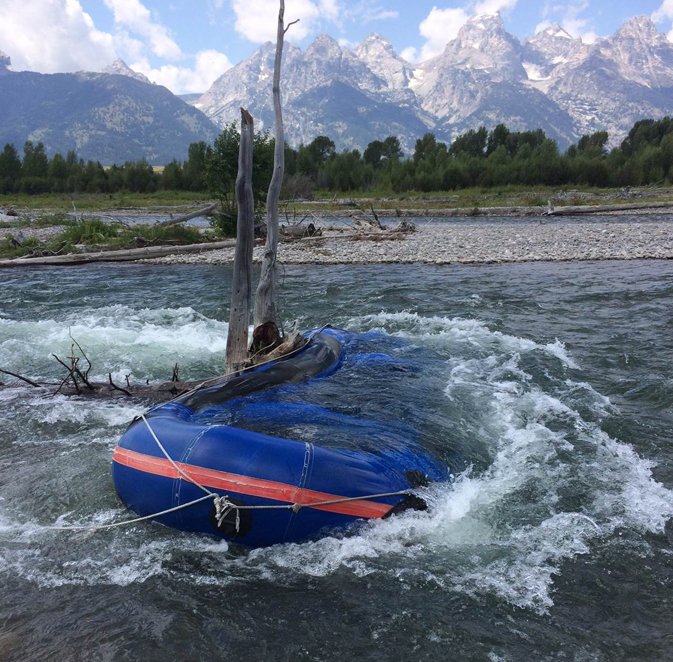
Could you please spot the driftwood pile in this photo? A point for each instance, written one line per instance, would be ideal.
(77, 381)
(268, 345)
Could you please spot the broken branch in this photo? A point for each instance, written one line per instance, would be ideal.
(118, 388)
(23, 379)
(289, 25)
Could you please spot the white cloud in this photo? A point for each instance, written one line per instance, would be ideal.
(257, 20)
(378, 14)
(664, 12)
(439, 28)
(575, 24)
(365, 11)
(212, 9)
(569, 15)
(347, 43)
(494, 6)
(52, 36)
(410, 54)
(329, 9)
(134, 16)
(208, 66)
(442, 25)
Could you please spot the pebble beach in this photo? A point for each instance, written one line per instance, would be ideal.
(483, 241)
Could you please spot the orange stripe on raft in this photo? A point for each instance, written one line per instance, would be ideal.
(258, 487)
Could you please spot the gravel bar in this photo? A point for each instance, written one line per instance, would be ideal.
(476, 243)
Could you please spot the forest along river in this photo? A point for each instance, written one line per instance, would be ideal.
(551, 387)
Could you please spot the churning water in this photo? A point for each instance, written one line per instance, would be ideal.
(548, 387)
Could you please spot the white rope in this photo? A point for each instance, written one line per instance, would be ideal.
(298, 506)
(228, 505)
(129, 521)
(170, 459)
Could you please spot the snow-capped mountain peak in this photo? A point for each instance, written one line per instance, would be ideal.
(379, 55)
(548, 49)
(374, 42)
(556, 32)
(324, 47)
(481, 27)
(483, 44)
(639, 27)
(640, 53)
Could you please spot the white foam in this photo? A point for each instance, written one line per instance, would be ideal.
(66, 409)
(448, 332)
(504, 530)
(117, 338)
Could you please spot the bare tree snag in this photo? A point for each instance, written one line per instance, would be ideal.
(241, 289)
(265, 299)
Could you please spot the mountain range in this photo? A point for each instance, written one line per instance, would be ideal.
(485, 76)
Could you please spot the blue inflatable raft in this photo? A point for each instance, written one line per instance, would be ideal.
(264, 489)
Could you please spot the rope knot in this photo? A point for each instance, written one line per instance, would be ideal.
(222, 508)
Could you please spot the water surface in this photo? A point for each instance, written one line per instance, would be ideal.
(551, 382)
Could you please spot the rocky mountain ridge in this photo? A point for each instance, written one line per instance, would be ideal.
(109, 117)
(120, 68)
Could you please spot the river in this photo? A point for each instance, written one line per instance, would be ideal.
(551, 381)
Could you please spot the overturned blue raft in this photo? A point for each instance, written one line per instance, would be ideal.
(267, 489)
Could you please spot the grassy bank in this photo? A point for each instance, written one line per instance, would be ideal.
(506, 196)
(101, 201)
(94, 234)
(483, 198)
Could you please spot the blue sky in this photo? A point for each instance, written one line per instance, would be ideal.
(185, 44)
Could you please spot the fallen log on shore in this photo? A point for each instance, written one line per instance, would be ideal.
(188, 217)
(594, 209)
(126, 255)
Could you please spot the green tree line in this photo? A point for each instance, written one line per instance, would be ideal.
(477, 158)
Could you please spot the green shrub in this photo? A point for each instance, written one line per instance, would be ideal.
(182, 233)
(90, 231)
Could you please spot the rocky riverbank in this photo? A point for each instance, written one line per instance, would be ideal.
(615, 238)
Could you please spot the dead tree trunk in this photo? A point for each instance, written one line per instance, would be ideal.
(596, 209)
(241, 290)
(126, 255)
(265, 299)
(188, 217)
